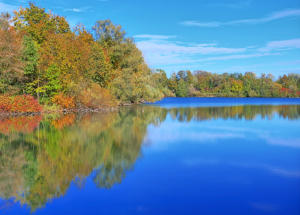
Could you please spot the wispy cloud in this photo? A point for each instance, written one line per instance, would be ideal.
(153, 36)
(162, 49)
(77, 10)
(272, 17)
(235, 57)
(282, 45)
(167, 51)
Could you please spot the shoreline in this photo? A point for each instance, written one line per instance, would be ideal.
(108, 109)
(64, 111)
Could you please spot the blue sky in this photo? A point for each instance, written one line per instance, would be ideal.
(262, 36)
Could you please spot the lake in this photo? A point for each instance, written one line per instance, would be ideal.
(178, 156)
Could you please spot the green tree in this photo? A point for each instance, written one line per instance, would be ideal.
(182, 89)
(30, 58)
(101, 70)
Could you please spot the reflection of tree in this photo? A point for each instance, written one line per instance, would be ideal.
(24, 124)
(39, 164)
(248, 112)
(129, 130)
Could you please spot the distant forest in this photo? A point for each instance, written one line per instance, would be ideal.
(205, 84)
(43, 59)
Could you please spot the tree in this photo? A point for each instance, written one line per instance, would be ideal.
(107, 33)
(30, 58)
(38, 24)
(101, 70)
(182, 89)
(11, 66)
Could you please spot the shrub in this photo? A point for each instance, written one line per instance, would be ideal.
(66, 102)
(19, 104)
(5, 103)
(96, 97)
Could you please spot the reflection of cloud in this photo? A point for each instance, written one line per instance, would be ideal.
(141, 208)
(200, 137)
(168, 138)
(264, 206)
(196, 132)
(275, 170)
(290, 142)
(199, 161)
(283, 172)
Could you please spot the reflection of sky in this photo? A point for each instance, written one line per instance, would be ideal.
(241, 166)
(276, 131)
(206, 167)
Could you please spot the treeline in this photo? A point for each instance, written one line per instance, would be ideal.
(205, 84)
(41, 56)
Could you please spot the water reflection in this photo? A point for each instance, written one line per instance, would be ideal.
(41, 156)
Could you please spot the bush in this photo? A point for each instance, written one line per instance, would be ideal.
(63, 101)
(19, 104)
(96, 97)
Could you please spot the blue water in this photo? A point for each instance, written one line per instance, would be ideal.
(198, 156)
(212, 102)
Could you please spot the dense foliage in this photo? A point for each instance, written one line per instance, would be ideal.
(40, 55)
(205, 84)
(19, 104)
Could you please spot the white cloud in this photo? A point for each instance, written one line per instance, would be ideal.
(166, 47)
(269, 18)
(241, 56)
(282, 45)
(153, 36)
(158, 49)
(164, 50)
(77, 10)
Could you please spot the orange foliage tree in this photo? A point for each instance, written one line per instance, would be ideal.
(19, 104)
(63, 101)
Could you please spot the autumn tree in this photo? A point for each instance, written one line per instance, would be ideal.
(11, 66)
(38, 24)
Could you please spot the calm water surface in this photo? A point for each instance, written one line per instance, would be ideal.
(178, 156)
